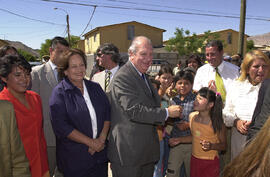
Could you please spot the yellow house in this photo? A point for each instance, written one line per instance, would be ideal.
(121, 35)
(229, 39)
(81, 45)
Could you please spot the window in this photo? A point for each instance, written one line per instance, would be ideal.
(95, 35)
(229, 38)
(131, 32)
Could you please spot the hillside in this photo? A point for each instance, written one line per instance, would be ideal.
(262, 39)
(19, 45)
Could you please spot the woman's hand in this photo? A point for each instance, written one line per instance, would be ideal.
(242, 126)
(97, 145)
(206, 145)
(91, 151)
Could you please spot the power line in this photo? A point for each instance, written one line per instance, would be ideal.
(155, 10)
(189, 9)
(51, 23)
(164, 6)
(89, 20)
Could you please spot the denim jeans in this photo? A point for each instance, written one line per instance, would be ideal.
(158, 172)
(166, 153)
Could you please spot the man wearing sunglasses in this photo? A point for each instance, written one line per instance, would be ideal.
(108, 57)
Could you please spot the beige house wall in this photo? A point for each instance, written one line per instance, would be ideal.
(232, 48)
(92, 42)
(118, 35)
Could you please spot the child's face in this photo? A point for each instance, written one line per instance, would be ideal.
(193, 63)
(183, 87)
(165, 80)
(200, 103)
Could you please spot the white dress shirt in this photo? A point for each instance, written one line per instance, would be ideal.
(113, 71)
(241, 100)
(91, 110)
(206, 73)
(54, 68)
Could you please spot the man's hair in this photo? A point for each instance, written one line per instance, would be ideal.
(59, 40)
(185, 75)
(133, 46)
(110, 49)
(215, 43)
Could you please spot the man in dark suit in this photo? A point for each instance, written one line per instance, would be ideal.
(133, 145)
(44, 79)
(262, 110)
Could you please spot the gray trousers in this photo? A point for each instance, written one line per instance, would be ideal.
(132, 171)
(51, 151)
(178, 155)
(238, 142)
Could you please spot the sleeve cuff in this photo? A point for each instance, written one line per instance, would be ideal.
(167, 114)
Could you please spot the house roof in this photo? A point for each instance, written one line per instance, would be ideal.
(98, 28)
(218, 31)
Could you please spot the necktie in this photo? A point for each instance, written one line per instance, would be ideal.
(143, 77)
(107, 79)
(220, 86)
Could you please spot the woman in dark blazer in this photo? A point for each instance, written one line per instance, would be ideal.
(80, 115)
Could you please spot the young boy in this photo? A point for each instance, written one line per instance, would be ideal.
(180, 152)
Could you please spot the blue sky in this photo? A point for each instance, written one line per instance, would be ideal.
(33, 33)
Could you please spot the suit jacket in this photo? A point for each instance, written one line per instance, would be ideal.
(13, 161)
(135, 110)
(262, 109)
(100, 78)
(43, 82)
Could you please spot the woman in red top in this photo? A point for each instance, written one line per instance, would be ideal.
(15, 73)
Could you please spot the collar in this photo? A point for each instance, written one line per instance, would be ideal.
(113, 70)
(251, 87)
(68, 85)
(188, 97)
(220, 67)
(53, 66)
(136, 69)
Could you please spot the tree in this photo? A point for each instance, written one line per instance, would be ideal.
(250, 45)
(73, 41)
(186, 44)
(44, 49)
(27, 55)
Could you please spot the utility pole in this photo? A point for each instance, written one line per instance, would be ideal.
(68, 31)
(241, 37)
(67, 19)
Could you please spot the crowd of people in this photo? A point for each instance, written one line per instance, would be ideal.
(207, 117)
